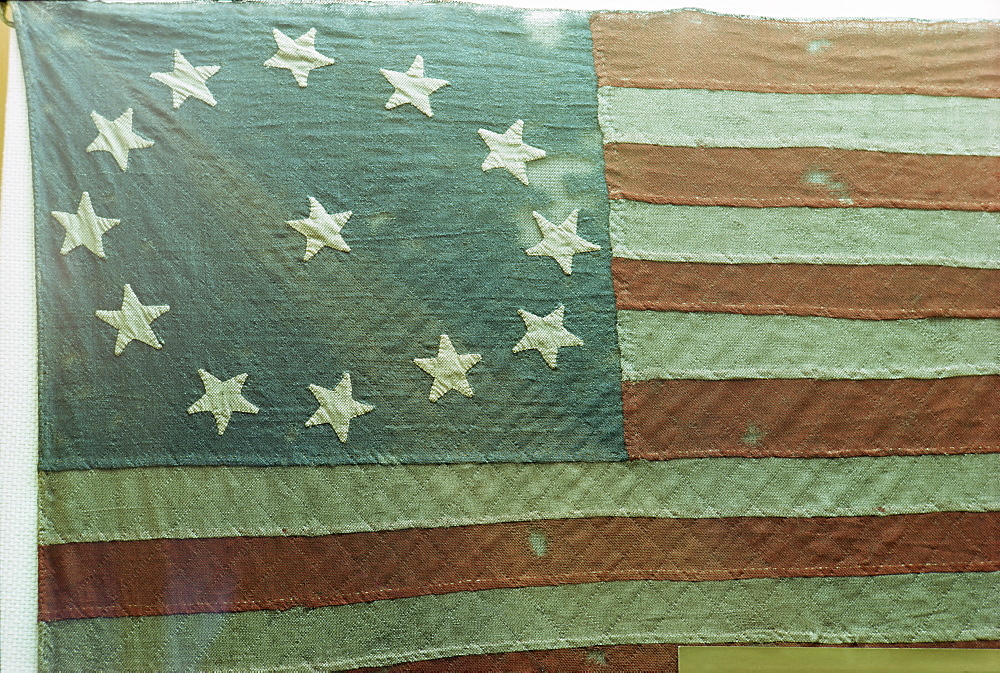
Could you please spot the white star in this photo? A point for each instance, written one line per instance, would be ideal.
(117, 137)
(84, 227)
(321, 229)
(337, 407)
(560, 242)
(187, 80)
(546, 335)
(299, 56)
(448, 369)
(507, 150)
(133, 321)
(412, 87)
(222, 398)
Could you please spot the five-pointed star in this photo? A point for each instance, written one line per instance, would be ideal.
(117, 137)
(337, 407)
(507, 150)
(448, 369)
(187, 80)
(133, 321)
(560, 242)
(222, 398)
(321, 229)
(546, 335)
(412, 87)
(84, 227)
(299, 56)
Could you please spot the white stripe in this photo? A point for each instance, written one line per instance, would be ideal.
(880, 122)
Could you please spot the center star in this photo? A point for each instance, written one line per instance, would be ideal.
(117, 137)
(321, 229)
(133, 321)
(560, 242)
(337, 407)
(412, 87)
(448, 369)
(222, 398)
(299, 55)
(546, 335)
(187, 80)
(508, 150)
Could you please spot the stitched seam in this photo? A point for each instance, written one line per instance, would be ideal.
(710, 84)
(875, 451)
(829, 202)
(822, 311)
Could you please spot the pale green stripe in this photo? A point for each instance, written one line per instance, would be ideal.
(745, 659)
(883, 122)
(189, 502)
(680, 345)
(724, 235)
(893, 608)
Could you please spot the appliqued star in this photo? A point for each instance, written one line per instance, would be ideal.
(321, 229)
(299, 56)
(448, 369)
(546, 335)
(117, 137)
(222, 398)
(507, 150)
(133, 321)
(560, 242)
(187, 80)
(337, 407)
(84, 227)
(412, 87)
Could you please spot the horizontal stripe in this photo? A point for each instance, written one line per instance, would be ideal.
(696, 50)
(725, 235)
(800, 176)
(833, 291)
(189, 502)
(890, 608)
(806, 418)
(836, 660)
(885, 123)
(648, 657)
(140, 578)
(677, 345)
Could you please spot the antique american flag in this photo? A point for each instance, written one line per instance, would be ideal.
(379, 334)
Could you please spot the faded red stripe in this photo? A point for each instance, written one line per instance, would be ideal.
(646, 657)
(800, 176)
(167, 576)
(808, 418)
(692, 50)
(873, 292)
(651, 657)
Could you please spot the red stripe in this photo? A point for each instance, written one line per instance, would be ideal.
(800, 176)
(651, 657)
(874, 292)
(646, 657)
(694, 50)
(167, 576)
(807, 418)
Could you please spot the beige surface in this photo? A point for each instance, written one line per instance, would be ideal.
(836, 660)
(4, 45)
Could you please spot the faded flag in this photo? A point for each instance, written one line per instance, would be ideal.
(373, 335)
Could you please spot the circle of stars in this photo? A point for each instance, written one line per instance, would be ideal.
(337, 407)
